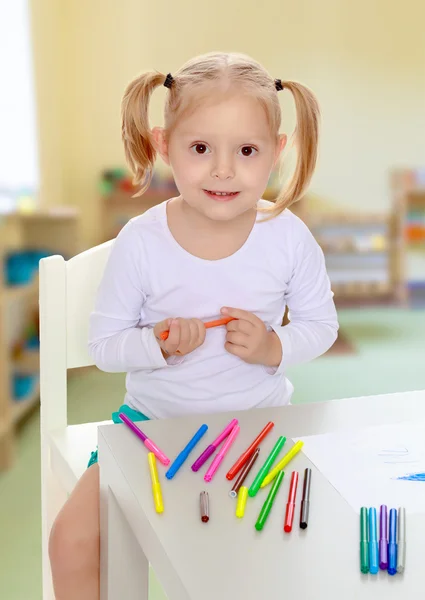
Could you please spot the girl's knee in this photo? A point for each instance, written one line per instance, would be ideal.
(72, 545)
(74, 538)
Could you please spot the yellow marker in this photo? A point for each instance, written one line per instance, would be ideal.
(242, 498)
(282, 464)
(156, 487)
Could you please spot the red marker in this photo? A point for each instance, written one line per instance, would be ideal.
(244, 458)
(290, 507)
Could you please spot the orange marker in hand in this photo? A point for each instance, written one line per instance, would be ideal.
(217, 323)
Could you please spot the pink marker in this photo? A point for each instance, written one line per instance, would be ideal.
(147, 442)
(221, 454)
(213, 447)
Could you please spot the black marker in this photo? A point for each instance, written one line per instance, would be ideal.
(305, 503)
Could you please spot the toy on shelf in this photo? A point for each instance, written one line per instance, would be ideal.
(119, 202)
(119, 180)
(408, 191)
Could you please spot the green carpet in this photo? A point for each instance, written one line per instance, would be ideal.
(390, 358)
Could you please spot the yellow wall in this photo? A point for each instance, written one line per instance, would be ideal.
(364, 59)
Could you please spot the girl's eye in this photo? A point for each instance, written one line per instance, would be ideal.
(248, 151)
(200, 149)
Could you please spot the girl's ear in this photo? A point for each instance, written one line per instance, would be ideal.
(281, 144)
(160, 143)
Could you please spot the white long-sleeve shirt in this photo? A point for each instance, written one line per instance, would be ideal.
(149, 277)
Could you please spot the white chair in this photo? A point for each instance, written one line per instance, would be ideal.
(67, 295)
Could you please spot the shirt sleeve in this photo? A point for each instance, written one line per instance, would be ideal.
(313, 326)
(117, 343)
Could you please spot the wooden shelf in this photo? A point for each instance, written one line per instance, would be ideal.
(347, 219)
(14, 293)
(4, 428)
(28, 363)
(52, 231)
(22, 407)
(345, 253)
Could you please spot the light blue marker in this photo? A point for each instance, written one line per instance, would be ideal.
(373, 543)
(179, 460)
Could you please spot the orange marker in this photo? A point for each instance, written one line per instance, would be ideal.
(217, 323)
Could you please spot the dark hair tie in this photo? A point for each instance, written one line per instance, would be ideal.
(278, 85)
(169, 80)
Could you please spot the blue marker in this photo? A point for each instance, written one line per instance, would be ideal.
(185, 452)
(373, 543)
(392, 546)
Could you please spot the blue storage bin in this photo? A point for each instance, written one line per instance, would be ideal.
(32, 343)
(18, 269)
(23, 385)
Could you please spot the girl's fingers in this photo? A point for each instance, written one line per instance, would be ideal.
(185, 337)
(174, 337)
(238, 339)
(240, 325)
(201, 330)
(236, 350)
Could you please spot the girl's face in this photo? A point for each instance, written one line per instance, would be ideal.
(221, 155)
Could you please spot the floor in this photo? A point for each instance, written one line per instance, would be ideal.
(389, 358)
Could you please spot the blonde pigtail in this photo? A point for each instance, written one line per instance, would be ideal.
(306, 144)
(136, 134)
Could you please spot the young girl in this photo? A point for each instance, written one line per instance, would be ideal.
(215, 250)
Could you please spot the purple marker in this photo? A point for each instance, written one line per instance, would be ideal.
(147, 442)
(213, 447)
(383, 538)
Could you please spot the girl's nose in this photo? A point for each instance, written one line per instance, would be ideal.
(223, 169)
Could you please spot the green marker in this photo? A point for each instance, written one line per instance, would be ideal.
(364, 541)
(262, 473)
(267, 506)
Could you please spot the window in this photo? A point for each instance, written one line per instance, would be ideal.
(19, 173)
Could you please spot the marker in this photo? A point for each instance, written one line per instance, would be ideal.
(305, 502)
(401, 554)
(164, 334)
(213, 447)
(244, 474)
(364, 540)
(383, 538)
(282, 464)
(290, 507)
(373, 543)
(249, 451)
(253, 490)
(222, 453)
(392, 545)
(156, 486)
(241, 504)
(148, 443)
(205, 507)
(180, 459)
(267, 506)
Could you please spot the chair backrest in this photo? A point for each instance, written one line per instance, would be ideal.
(67, 295)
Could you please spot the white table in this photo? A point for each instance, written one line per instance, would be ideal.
(227, 558)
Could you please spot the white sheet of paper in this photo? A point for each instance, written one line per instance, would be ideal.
(363, 465)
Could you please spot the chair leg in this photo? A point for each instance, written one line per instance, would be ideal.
(53, 497)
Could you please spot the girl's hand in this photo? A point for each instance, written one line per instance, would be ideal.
(248, 338)
(184, 337)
